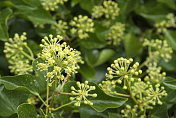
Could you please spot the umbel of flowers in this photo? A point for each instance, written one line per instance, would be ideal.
(60, 57)
(82, 93)
(81, 26)
(145, 94)
(52, 4)
(19, 55)
(109, 9)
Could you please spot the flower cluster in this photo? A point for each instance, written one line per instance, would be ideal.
(32, 100)
(158, 48)
(109, 9)
(81, 26)
(82, 93)
(154, 74)
(60, 57)
(122, 71)
(52, 4)
(18, 54)
(129, 112)
(116, 33)
(60, 27)
(170, 21)
(107, 86)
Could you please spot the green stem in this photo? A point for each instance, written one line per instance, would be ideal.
(42, 100)
(47, 96)
(28, 56)
(57, 92)
(134, 99)
(121, 94)
(61, 106)
(53, 95)
(30, 51)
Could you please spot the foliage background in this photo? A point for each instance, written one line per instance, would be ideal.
(139, 17)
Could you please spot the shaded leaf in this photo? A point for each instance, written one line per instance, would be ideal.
(170, 82)
(171, 38)
(4, 16)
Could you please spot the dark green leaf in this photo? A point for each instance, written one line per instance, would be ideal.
(170, 82)
(9, 101)
(87, 70)
(26, 111)
(104, 55)
(169, 3)
(27, 83)
(4, 16)
(171, 38)
(159, 111)
(132, 45)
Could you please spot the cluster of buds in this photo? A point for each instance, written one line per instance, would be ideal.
(122, 71)
(109, 9)
(60, 27)
(107, 86)
(52, 4)
(154, 74)
(62, 58)
(32, 100)
(116, 33)
(82, 25)
(129, 112)
(159, 48)
(169, 22)
(18, 54)
(81, 94)
(154, 94)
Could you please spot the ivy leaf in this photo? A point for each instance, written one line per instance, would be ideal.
(104, 55)
(4, 16)
(170, 82)
(26, 83)
(26, 111)
(101, 102)
(169, 3)
(87, 70)
(132, 45)
(9, 101)
(159, 111)
(171, 38)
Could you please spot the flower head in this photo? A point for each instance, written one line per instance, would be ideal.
(18, 54)
(116, 33)
(52, 4)
(81, 26)
(60, 27)
(82, 93)
(122, 71)
(59, 56)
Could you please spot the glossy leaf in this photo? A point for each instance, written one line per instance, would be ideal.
(170, 82)
(9, 101)
(104, 55)
(26, 83)
(86, 70)
(26, 111)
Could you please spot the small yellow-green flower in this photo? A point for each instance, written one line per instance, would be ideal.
(122, 71)
(116, 33)
(82, 93)
(60, 27)
(19, 55)
(60, 57)
(81, 26)
(52, 4)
